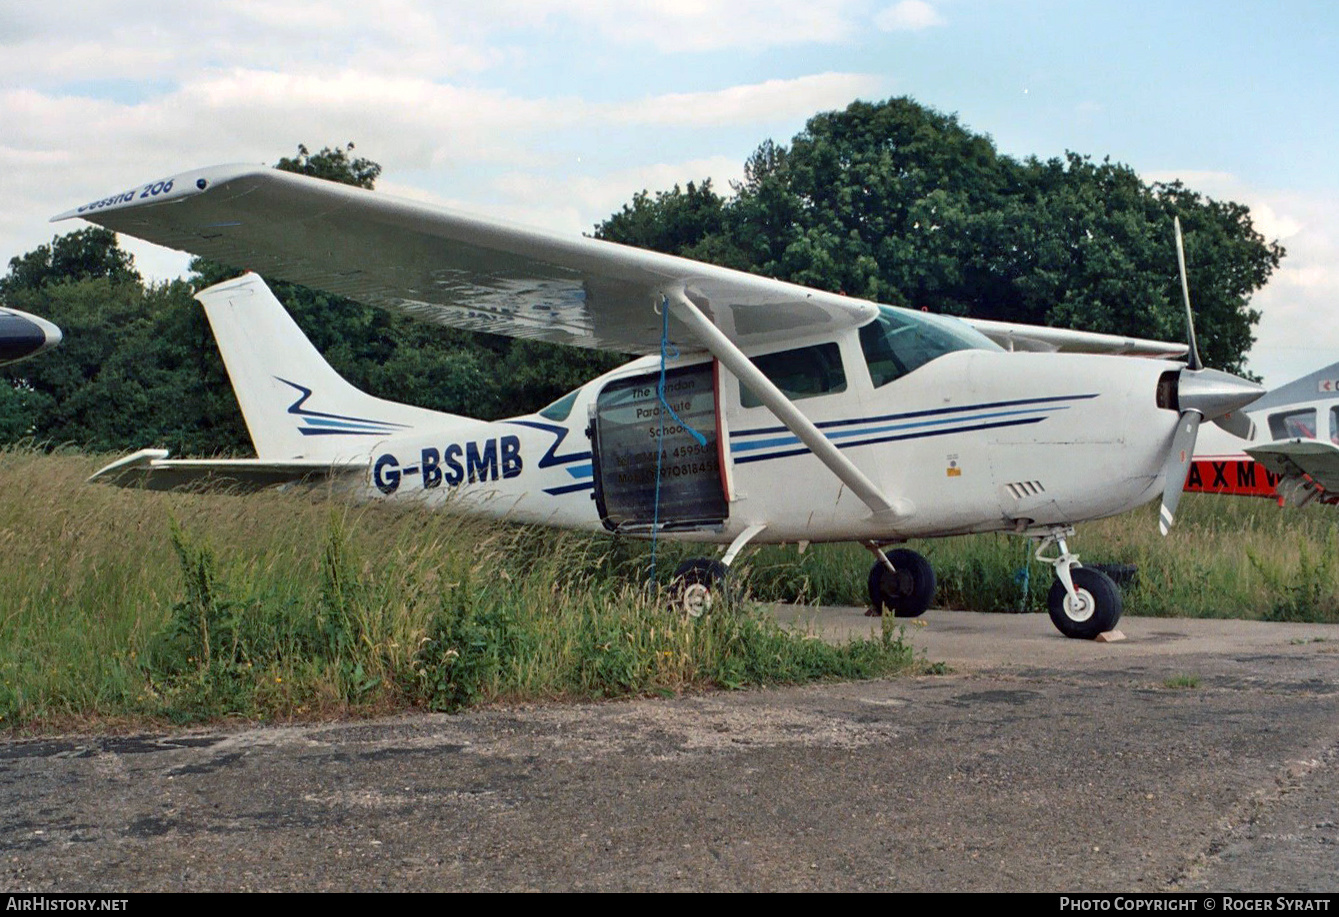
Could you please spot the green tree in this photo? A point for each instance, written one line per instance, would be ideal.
(81, 255)
(901, 204)
(333, 163)
(137, 367)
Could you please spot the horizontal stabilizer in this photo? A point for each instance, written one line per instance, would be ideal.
(151, 469)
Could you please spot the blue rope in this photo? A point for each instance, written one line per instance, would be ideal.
(1023, 576)
(667, 352)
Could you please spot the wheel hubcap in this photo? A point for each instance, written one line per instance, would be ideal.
(696, 600)
(1083, 608)
(897, 585)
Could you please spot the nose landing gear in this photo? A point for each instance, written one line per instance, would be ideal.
(1083, 602)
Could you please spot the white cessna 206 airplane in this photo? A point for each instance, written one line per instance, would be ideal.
(785, 414)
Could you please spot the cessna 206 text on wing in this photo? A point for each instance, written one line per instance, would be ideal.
(786, 414)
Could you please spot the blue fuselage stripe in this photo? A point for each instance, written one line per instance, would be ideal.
(922, 434)
(942, 423)
(932, 412)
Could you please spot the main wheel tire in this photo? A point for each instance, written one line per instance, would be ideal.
(698, 584)
(1121, 574)
(1098, 607)
(908, 591)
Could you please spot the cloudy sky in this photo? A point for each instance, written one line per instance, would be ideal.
(555, 112)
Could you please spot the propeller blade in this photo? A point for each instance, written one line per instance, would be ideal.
(1193, 358)
(1177, 467)
(1238, 424)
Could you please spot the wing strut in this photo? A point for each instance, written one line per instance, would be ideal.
(733, 359)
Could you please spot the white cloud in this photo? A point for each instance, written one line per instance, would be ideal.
(708, 25)
(152, 41)
(908, 16)
(62, 149)
(769, 101)
(1298, 331)
(576, 204)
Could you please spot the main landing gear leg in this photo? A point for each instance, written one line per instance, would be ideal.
(1083, 602)
(700, 582)
(900, 580)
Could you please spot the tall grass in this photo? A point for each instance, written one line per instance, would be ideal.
(185, 607)
(122, 604)
(1227, 557)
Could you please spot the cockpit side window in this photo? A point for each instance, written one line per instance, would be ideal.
(900, 341)
(1293, 424)
(803, 373)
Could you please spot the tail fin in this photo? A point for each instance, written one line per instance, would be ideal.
(295, 405)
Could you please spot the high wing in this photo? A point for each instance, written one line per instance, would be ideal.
(1308, 468)
(486, 275)
(454, 269)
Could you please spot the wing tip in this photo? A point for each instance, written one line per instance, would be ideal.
(163, 190)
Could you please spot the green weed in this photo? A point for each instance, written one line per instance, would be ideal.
(186, 607)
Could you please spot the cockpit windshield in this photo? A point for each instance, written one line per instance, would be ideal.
(900, 341)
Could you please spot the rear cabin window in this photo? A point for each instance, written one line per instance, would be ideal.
(900, 341)
(1293, 424)
(561, 408)
(803, 373)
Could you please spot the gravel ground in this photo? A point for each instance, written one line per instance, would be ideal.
(1037, 764)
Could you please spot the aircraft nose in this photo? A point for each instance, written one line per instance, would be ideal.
(1212, 393)
(23, 335)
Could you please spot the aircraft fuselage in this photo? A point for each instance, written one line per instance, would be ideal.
(973, 441)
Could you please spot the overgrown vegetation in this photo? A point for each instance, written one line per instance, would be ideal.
(125, 604)
(1228, 557)
(118, 604)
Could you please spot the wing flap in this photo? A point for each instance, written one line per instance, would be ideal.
(1013, 336)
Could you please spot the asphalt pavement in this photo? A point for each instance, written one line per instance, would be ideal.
(1193, 755)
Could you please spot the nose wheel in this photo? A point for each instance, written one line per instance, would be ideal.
(901, 581)
(1083, 601)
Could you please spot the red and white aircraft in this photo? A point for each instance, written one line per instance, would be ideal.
(1292, 453)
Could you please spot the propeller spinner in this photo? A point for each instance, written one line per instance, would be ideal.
(1201, 394)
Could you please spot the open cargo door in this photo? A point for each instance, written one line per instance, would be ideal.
(636, 443)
